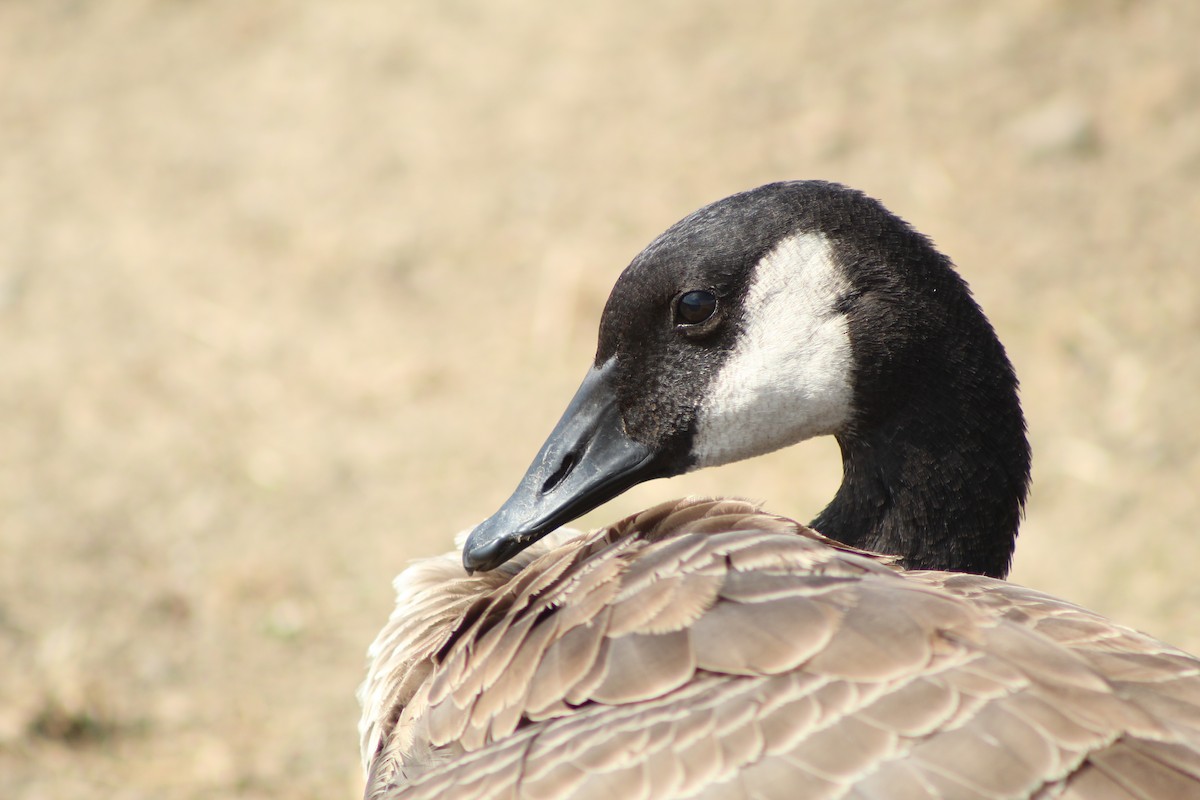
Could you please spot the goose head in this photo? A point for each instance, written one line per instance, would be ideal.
(791, 311)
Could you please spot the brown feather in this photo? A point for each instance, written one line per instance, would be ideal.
(1141, 773)
(645, 666)
(565, 663)
(741, 639)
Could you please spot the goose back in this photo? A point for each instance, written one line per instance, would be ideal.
(704, 648)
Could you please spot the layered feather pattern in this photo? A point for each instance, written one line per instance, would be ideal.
(706, 649)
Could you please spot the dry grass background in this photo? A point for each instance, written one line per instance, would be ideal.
(291, 291)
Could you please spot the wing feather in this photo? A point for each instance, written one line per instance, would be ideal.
(705, 649)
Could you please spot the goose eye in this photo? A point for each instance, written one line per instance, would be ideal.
(695, 307)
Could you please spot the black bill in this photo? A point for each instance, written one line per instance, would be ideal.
(587, 460)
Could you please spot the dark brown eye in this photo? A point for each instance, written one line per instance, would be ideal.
(695, 307)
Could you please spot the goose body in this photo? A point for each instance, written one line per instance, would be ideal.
(704, 648)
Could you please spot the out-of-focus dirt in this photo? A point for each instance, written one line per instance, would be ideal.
(290, 292)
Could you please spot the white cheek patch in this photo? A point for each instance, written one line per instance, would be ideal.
(788, 377)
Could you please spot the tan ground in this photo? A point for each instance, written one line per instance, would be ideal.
(290, 292)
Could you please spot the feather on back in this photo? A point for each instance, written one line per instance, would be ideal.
(703, 648)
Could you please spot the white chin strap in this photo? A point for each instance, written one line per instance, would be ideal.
(788, 377)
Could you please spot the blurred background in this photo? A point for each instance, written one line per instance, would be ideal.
(291, 292)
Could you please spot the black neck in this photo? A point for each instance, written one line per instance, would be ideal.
(940, 477)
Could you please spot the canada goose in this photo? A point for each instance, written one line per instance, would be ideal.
(704, 648)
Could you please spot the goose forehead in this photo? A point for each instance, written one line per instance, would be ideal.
(788, 377)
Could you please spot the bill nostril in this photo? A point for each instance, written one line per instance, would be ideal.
(564, 469)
